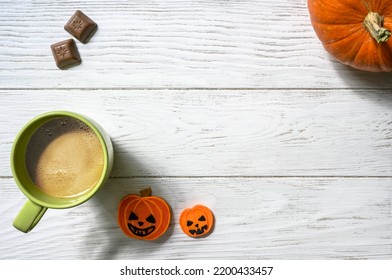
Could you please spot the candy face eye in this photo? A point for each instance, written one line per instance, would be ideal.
(133, 217)
(202, 219)
(151, 219)
(189, 223)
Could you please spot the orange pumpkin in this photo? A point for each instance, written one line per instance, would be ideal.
(144, 217)
(197, 221)
(355, 32)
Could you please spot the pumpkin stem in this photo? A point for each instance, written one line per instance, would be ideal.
(373, 22)
(145, 192)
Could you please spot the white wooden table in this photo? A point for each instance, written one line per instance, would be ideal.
(231, 104)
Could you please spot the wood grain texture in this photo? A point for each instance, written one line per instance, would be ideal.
(173, 44)
(223, 132)
(283, 218)
(231, 104)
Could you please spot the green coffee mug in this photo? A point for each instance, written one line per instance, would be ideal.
(39, 201)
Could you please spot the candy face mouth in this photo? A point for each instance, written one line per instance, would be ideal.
(199, 230)
(141, 231)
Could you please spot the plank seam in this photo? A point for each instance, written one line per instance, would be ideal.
(188, 88)
(240, 177)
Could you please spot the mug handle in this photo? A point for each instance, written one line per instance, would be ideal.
(29, 216)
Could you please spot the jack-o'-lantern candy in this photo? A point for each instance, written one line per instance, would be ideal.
(197, 221)
(143, 217)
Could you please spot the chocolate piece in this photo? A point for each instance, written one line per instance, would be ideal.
(81, 27)
(65, 53)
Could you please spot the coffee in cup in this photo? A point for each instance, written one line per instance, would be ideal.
(64, 157)
(59, 160)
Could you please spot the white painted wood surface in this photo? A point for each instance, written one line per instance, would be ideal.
(173, 43)
(226, 132)
(283, 218)
(214, 102)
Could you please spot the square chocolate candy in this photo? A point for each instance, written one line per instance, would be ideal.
(65, 53)
(81, 27)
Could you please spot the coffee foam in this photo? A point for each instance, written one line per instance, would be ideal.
(64, 158)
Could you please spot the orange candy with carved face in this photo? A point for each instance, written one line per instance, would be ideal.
(197, 221)
(143, 217)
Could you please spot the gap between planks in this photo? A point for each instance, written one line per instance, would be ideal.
(241, 177)
(189, 88)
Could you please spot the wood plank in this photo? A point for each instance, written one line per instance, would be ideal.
(173, 44)
(224, 132)
(283, 218)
